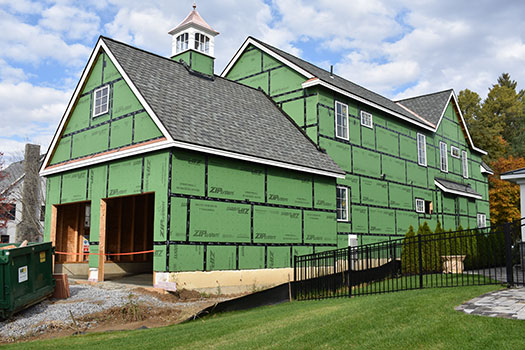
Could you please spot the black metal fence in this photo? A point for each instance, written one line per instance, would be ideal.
(470, 257)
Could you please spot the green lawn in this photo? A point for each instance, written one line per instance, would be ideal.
(420, 319)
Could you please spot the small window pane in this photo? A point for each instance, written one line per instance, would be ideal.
(443, 156)
(420, 205)
(341, 120)
(101, 101)
(342, 206)
(464, 163)
(421, 150)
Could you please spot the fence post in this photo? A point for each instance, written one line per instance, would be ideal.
(508, 255)
(349, 250)
(420, 260)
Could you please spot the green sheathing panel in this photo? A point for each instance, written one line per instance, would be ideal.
(251, 257)
(404, 219)
(326, 121)
(340, 153)
(230, 223)
(53, 190)
(288, 187)
(145, 128)
(393, 168)
(186, 258)
(178, 219)
(374, 192)
(159, 257)
(125, 177)
(156, 180)
(367, 162)
(320, 227)
(401, 196)
(249, 63)
(283, 80)
(276, 225)
(359, 219)
(388, 141)
(74, 186)
(353, 183)
(278, 257)
(417, 175)
(384, 221)
(202, 63)
(125, 124)
(188, 173)
(232, 179)
(221, 258)
(324, 194)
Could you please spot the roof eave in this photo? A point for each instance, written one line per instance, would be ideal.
(460, 193)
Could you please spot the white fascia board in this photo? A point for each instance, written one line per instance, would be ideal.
(318, 81)
(189, 146)
(453, 96)
(249, 41)
(486, 171)
(512, 177)
(460, 193)
(100, 44)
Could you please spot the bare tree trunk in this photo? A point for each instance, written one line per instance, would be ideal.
(29, 226)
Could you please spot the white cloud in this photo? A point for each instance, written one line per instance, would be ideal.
(72, 22)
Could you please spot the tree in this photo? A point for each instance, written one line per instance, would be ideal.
(504, 108)
(485, 129)
(504, 195)
(5, 204)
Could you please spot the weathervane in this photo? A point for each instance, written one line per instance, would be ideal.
(194, 5)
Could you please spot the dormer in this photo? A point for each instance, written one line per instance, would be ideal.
(193, 42)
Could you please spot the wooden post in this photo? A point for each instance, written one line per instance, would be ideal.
(102, 240)
(119, 230)
(146, 226)
(53, 231)
(132, 231)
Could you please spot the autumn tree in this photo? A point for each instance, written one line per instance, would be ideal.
(504, 195)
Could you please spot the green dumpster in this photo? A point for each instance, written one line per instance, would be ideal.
(26, 276)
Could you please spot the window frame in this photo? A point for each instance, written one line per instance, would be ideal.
(182, 44)
(421, 152)
(464, 164)
(484, 216)
(198, 43)
(420, 201)
(452, 149)
(345, 119)
(366, 115)
(443, 156)
(346, 219)
(95, 99)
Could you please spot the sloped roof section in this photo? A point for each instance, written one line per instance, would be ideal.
(194, 18)
(217, 113)
(430, 106)
(343, 83)
(515, 172)
(456, 188)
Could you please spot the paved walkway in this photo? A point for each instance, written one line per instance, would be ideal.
(506, 303)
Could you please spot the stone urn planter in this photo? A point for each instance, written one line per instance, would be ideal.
(453, 263)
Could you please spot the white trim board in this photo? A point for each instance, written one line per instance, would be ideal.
(460, 193)
(177, 144)
(87, 70)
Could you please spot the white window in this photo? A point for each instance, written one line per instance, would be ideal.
(421, 149)
(420, 205)
(341, 120)
(342, 203)
(454, 151)
(101, 101)
(182, 42)
(464, 163)
(366, 119)
(482, 220)
(443, 156)
(202, 43)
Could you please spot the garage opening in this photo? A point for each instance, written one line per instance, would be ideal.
(129, 228)
(72, 232)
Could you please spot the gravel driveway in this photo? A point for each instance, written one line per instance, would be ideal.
(85, 299)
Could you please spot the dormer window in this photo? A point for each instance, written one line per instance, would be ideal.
(182, 42)
(202, 43)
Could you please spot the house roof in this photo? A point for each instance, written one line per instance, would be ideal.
(217, 113)
(345, 84)
(430, 106)
(194, 18)
(456, 188)
(485, 168)
(517, 175)
(13, 174)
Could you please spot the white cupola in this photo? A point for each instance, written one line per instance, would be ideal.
(193, 33)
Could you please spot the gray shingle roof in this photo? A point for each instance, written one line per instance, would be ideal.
(457, 187)
(342, 83)
(10, 174)
(487, 168)
(218, 113)
(515, 172)
(429, 106)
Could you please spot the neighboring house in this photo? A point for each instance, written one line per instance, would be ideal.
(406, 161)
(11, 184)
(518, 177)
(212, 175)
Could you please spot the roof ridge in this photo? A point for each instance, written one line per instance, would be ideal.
(425, 95)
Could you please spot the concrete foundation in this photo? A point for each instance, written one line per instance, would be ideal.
(81, 270)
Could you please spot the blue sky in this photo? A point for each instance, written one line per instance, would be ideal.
(398, 49)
